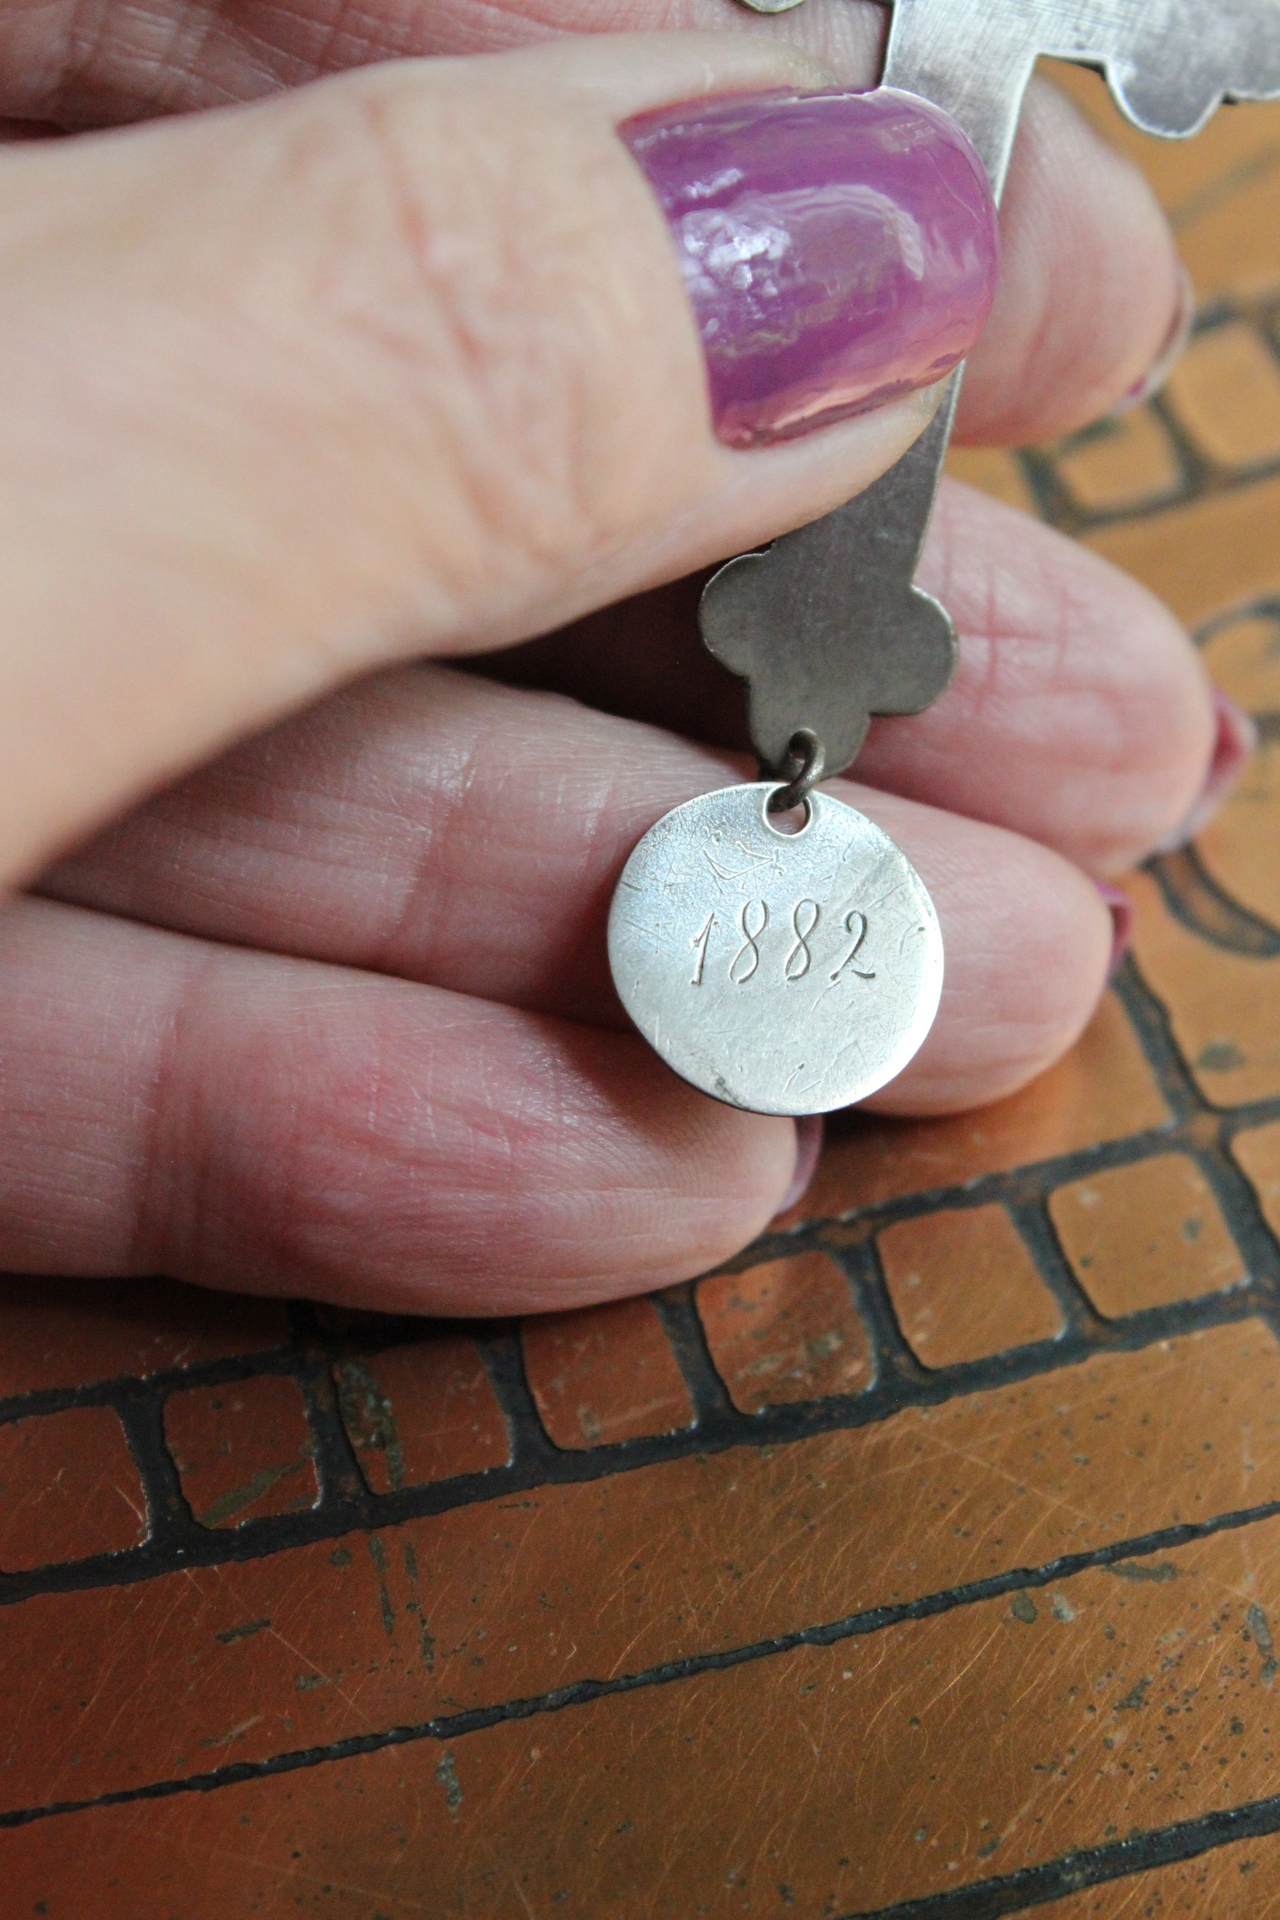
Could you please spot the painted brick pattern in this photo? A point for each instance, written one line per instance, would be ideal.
(68, 1489)
(684, 1559)
(422, 1412)
(242, 1450)
(785, 1330)
(964, 1285)
(1146, 1235)
(1122, 1698)
(604, 1374)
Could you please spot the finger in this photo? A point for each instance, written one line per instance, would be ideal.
(1080, 713)
(429, 825)
(401, 363)
(268, 1124)
(1090, 290)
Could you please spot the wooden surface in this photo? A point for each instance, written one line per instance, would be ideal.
(928, 1561)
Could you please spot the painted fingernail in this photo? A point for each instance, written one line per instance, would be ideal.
(1236, 739)
(1121, 910)
(808, 1147)
(839, 249)
(1170, 353)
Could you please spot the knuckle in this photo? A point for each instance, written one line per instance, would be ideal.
(464, 274)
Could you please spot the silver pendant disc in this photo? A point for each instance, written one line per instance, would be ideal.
(780, 972)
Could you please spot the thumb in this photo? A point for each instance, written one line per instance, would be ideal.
(407, 361)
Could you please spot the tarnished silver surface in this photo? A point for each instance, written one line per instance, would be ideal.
(817, 646)
(786, 973)
(826, 627)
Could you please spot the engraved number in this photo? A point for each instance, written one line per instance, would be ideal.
(753, 919)
(799, 960)
(699, 945)
(861, 935)
(750, 935)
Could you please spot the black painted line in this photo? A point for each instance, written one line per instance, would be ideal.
(1231, 1188)
(1212, 194)
(532, 1448)
(1091, 1867)
(1203, 476)
(1152, 1027)
(1197, 902)
(678, 1312)
(1042, 1177)
(338, 1475)
(169, 1514)
(456, 1726)
(107, 1393)
(1238, 1204)
(895, 1361)
(503, 1363)
(1207, 483)
(1258, 606)
(1199, 479)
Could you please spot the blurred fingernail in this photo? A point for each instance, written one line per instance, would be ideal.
(808, 1147)
(1121, 910)
(839, 249)
(1236, 739)
(1170, 353)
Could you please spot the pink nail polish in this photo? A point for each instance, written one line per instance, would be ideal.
(808, 1147)
(1121, 909)
(1170, 353)
(839, 249)
(1236, 739)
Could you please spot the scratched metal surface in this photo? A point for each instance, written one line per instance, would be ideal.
(723, 932)
(926, 1563)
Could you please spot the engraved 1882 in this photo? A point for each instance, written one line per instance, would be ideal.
(806, 916)
(782, 972)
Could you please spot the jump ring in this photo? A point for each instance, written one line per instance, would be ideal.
(804, 762)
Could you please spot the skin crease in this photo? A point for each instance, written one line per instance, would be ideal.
(282, 1028)
(1077, 667)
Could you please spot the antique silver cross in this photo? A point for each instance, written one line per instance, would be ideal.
(827, 621)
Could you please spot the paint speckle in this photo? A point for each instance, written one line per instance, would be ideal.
(446, 1774)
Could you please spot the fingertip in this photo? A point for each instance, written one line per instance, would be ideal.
(809, 1135)
(1091, 290)
(1178, 747)
(1154, 379)
(857, 317)
(731, 1174)
(1029, 945)
(648, 1183)
(1120, 907)
(1234, 741)
(1086, 717)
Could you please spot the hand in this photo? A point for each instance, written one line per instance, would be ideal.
(397, 365)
